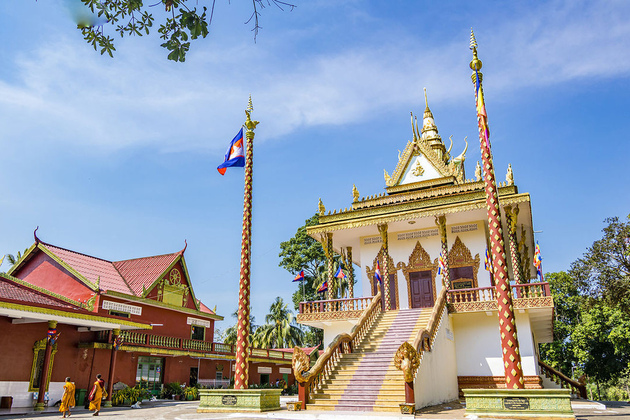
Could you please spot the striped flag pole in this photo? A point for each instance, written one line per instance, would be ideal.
(507, 323)
(241, 370)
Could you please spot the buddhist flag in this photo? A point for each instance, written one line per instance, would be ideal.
(340, 274)
(488, 262)
(300, 276)
(235, 156)
(538, 261)
(377, 273)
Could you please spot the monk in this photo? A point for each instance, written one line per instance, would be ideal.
(67, 400)
(97, 394)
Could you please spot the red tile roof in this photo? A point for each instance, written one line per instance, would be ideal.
(92, 268)
(10, 290)
(142, 272)
(307, 350)
(204, 308)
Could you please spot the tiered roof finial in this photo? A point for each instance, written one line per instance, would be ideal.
(426, 101)
(430, 132)
(476, 63)
(250, 106)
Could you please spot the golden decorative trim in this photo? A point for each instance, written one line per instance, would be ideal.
(414, 149)
(491, 305)
(171, 352)
(391, 269)
(37, 347)
(329, 316)
(419, 260)
(460, 256)
(422, 184)
(61, 313)
(408, 211)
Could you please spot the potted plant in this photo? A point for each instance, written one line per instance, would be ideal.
(191, 393)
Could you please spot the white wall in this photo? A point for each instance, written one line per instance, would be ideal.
(23, 398)
(336, 328)
(436, 381)
(478, 344)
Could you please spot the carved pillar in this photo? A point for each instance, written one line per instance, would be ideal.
(112, 366)
(446, 275)
(241, 377)
(350, 269)
(507, 323)
(511, 217)
(51, 337)
(382, 229)
(328, 249)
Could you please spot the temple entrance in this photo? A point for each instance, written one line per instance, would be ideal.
(421, 288)
(392, 291)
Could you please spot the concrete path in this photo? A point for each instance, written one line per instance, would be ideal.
(184, 410)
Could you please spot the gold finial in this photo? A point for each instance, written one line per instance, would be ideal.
(426, 101)
(321, 208)
(476, 63)
(250, 106)
(355, 193)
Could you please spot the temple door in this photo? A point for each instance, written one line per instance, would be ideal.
(421, 289)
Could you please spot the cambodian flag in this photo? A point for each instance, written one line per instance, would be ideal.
(323, 287)
(377, 273)
(300, 276)
(235, 155)
(340, 274)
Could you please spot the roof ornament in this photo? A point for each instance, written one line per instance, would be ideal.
(458, 162)
(476, 63)
(426, 101)
(98, 284)
(478, 172)
(414, 129)
(35, 235)
(185, 246)
(355, 193)
(509, 177)
(321, 208)
(447, 156)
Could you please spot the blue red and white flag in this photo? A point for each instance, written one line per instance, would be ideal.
(323, 287)
(377, 273)
(340, 274)
(488, 262)
(538, 261)
(441, 263)
(300, 276)
(235, 155)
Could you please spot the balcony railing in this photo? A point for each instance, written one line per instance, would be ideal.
(335, 305)
(484, 298)
(132, 338)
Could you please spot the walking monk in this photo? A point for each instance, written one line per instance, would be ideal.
(67, 400)
(97, 394)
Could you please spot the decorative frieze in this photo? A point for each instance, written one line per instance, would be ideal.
(122, 307)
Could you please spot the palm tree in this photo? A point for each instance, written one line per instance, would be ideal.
(13, 259)
(279, 330)
(230, 334)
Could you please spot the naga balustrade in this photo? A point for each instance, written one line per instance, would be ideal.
(558, 377)
(423, 342)
(167, 342)
(484, 294)
(313, 379)
(335, 305)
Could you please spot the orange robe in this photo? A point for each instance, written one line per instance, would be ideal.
(96, 395)
(67, 400)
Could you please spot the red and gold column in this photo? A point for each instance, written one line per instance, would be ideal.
(350, 269)
(51, 338)
(331, 265)
(511, 219)
(241, 374)
(382, 228)
(507, 323)
(446, 275)
(116, 341)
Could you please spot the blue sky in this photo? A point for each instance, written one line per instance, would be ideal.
(116, 157)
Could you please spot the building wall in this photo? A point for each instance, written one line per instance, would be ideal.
(478, 344)
(436, 381)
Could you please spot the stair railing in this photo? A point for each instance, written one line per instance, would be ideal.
(425, 337)
(313, 379)
(564, 381)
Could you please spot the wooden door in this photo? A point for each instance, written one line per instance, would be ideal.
(421, 284)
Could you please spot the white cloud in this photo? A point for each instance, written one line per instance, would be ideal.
(74, 96)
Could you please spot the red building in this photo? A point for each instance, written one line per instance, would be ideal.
(135, 321)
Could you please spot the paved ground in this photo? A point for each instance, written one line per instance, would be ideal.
(176, 410)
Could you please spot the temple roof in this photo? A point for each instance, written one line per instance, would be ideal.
(141, 273)
(12, 289)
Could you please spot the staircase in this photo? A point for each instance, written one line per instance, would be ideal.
(366, 379)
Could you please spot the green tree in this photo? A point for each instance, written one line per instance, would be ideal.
(279, 330)
(603, 273)
(229, 335)
(568, 301)
(184, 22)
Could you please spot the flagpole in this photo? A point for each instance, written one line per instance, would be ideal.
(241, 376)
(507, 323)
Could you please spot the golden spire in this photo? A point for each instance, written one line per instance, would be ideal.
(426, 101)
(476, 63)
(250, 106)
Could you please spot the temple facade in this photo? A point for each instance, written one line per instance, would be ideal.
(426, 236)
(135, 321)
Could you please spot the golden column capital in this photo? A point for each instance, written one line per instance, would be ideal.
(52, 324)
